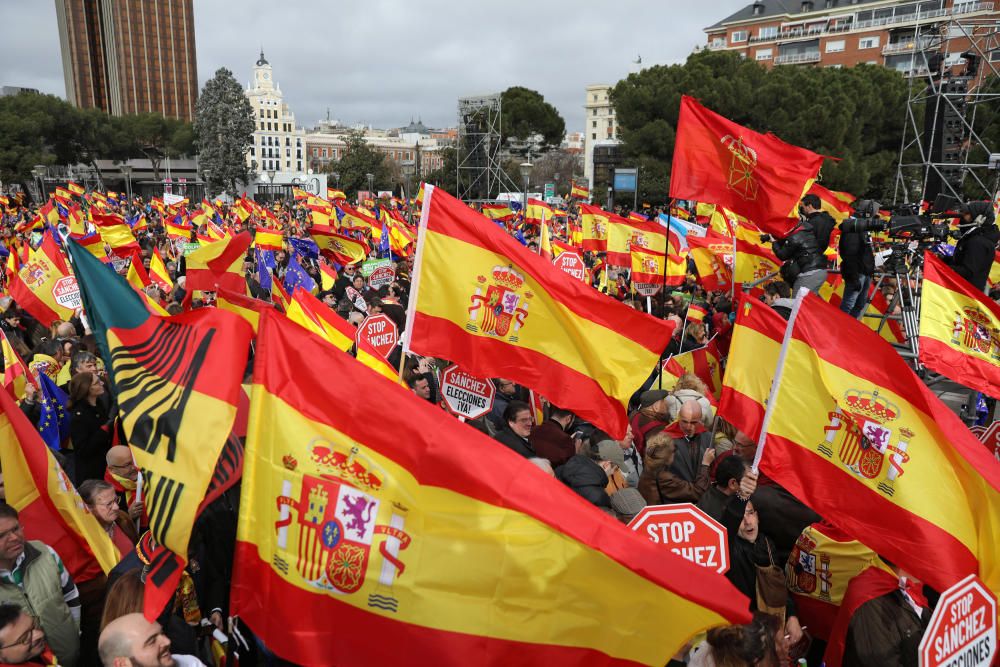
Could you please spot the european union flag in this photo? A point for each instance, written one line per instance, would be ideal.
(296, 276)
(383, 244)
(305, 247)
(519, 235)
(265, 264)
(53, 420)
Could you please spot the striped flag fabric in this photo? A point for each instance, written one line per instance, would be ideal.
(218, 264)
(537, 211)
(499, 212)
(656, 268)
(15, 371)
(44, 286)
(704, 362)
(245, 306)
(853, 433)
(388, 535)
(501, 311)
(959, 329)
(624, 235)
(595, 223)
(578, 191)
(341, 248)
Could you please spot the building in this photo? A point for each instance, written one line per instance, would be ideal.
(7, 91)
(129, 56)
(601, 130)
(842, 33)
(278, 145)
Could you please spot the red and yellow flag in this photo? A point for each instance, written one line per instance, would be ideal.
(245, 306)
(483, 301)
(43, 285)
(218, 264)
(625, 234)
(158, 271)
(178, 230)
(268, 239)
(959, 329)
(343, 249)
(332, 194)
(75, 188)
(499, 212)
(754, 260)
(754, 175)
(854, 434)
(342, 517)
(594, 221)
(703, 362)
(536, 211)
(696, 313)
(713, 258)
(578, 191)
(116, 233)
(648, 267)
(837, 204)
(15, 371)
(50, 509)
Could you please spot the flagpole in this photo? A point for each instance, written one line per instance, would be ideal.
(663, 287)
(732, 278)
(418, 259)
(779, 370)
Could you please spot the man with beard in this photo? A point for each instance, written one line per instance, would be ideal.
(132, 641)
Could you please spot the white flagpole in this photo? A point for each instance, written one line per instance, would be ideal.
(411, 307)
(776, 383)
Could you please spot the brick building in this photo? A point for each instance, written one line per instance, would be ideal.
(129, 56)
(841, 33)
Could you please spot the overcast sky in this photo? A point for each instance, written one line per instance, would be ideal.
(382, 61)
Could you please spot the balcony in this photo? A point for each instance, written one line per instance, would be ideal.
(797, 58)
(798, 33)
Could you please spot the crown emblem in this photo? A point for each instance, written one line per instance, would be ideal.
(506, 276)
(977, 317)
(289, 462)
(481, 278)
(871, 405)
(349, 466)
(740, 150)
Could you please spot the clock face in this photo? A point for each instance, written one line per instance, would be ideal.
(266, 76)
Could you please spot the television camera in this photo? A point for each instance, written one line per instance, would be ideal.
(908, 231)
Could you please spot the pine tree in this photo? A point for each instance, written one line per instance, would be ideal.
(224, 124)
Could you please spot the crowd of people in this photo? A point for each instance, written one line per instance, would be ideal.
(677, 449)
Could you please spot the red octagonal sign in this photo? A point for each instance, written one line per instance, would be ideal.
(963, 629)
(465, 394)
(570, 262)
(380, 332)
(687, 531)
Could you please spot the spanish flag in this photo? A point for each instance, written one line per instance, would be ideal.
(327, 276)
(75, 188)
(218, 264)
(704, 362)
(854, 434)
(246, 307)
(959, 329)
(713, 258)
(500, 212)
(754, 260)
(837, 204)
(756, 344)
(545, 242)
(994, 276)
(578, 191)
(266, 239)
(696, 313)
(753, 174)
(116, 234)
(158, 271)
(15, 371)
(44, 286)
(625, 234)
(332, 194)
(50, 509)
(178, 230)
(537, 211)
(648, 267)
(343, 249)
(484, 302)
(177, 382)
(832, 291)
(401, 537)
(594, 221)
(352, 217)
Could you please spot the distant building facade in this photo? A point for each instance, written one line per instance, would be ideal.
(278, 145)
(129, 56)
(600, 132)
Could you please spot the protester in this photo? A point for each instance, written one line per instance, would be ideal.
(587, 478)
(686, 478)
(729, 473)
(123, 475)
(762, 643)
(651, 418)
(974, 253)
(22, 640)
(689, 387)
(102, 502)
(33, 576)
(91, 427)
(132, 641)
(519, 423)
(551, 439)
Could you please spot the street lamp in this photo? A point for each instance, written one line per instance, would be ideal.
(270, 180)
(39, 173)
(336, 178)
(526, 175)
(371, 184)
(206, 176)
(126, 170)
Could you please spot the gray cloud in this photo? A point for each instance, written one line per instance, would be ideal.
(383, 61)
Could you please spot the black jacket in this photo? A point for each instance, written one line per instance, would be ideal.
(586, 478)
(974, 255)
(515, 442)
(91, 441)
(799, 251)
(856, 256)
(822, 224)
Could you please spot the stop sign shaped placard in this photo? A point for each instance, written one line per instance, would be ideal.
(571, 263)
(380, 332)
(465, 394)
(963, 629)
(687, 531)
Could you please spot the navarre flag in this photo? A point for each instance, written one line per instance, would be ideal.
(755, 175)
(43, 285)
(594, 221)
(625, 234)
(579, 191)
(853, 433)
(341, 248)
(501, 312)
(218, 264)
(50, 508)
(959, 329)
(177, 383)
(341, 516)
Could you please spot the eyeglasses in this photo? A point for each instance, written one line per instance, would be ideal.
(111, 504)
(16, 530)
(25, 639)
(123, 466)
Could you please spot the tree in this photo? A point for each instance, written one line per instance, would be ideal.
(526, 114)
(854, 114)
(444, 177)
(223, 127)
(155, 137)
(36, 129)
(358, 161)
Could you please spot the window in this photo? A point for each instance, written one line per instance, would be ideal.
(995, 56)
(316, 152)
(594, 136)
(835, 46)
(593, 123)
(868, 42)
(767, 32)
(739, 36)
(764, 54)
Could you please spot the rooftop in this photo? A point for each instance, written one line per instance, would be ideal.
(770, 8)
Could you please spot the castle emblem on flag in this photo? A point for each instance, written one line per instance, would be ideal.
(973, 330)
(806, 570)
(862, 428)
(741, 167)
(499, 307)
(337, 507)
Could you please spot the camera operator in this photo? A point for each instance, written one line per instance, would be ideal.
(857, 263)
(801, 251)
(975, 251)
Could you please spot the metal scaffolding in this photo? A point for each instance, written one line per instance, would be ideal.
(479, 174)
(941, 151)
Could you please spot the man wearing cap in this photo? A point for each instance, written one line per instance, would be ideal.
(551, 440)
(622, 454)
(651, 417)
